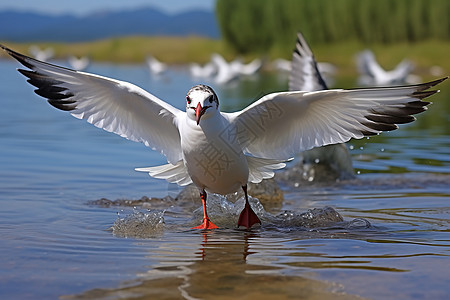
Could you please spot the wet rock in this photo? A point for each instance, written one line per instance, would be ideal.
(189, 193)
(267, 191)
(144, 202)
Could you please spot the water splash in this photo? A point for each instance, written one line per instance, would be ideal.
(312, 218)
(225, 214)
(358, 223)
(139, 224)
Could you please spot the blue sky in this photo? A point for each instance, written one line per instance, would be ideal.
(82, 7)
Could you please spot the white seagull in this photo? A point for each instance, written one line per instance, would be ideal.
(246, 69)
(373, 73)
(156, 67)
(227, 72)
(78, 64)
(281, 64)
(204, 71)
(220, 152)
(42, 55)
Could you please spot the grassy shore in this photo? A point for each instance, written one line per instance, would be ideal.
(181, 50)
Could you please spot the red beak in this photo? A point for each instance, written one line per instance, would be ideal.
(199, 111)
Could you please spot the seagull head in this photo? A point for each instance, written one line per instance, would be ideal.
(201, 102)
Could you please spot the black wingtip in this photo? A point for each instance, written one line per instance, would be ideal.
(23, 59)
(28, 61)
(47, 87)
(426, 85)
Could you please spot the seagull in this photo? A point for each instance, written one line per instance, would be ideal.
(246, 69)
(78, 64)
(221, 152)
(227, 72)
(42, 55)
(156, 67)
(373, 73)
(282, 64)
(205, 71)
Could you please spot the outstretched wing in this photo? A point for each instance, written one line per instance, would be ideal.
(305, 75)
(280, 125)
(113, 105)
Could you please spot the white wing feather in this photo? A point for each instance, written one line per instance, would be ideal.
(262, 168)
(280, 125)
(176, 173)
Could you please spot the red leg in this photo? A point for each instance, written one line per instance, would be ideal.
(207, 224)
(248, 217)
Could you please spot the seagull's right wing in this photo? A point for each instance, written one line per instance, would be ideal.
(305, 75)
(280, 125)
(116, 106)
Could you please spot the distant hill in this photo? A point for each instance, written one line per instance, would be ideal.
(33, 27)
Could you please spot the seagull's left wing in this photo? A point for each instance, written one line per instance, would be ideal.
(280, 125)
(116, 106)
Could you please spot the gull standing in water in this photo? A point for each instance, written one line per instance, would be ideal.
(220, 152)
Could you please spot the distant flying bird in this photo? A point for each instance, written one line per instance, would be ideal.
(220, 152)
(78, 64)
(225, 73)
(42, 55)
(229, 71)
(246, 69)
(156, 67)
(205, 71)
(373, 74)
(282, 64)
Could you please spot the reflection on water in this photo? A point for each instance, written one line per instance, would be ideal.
(223, 265)
(54, 244)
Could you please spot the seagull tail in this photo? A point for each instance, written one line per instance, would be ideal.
(176, 173)
(263, 168)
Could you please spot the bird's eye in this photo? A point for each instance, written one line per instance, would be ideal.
(211, 99)
(188, 100)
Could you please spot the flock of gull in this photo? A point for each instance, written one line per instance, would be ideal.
(220, 71)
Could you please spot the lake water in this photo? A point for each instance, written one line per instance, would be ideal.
(54, 244)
